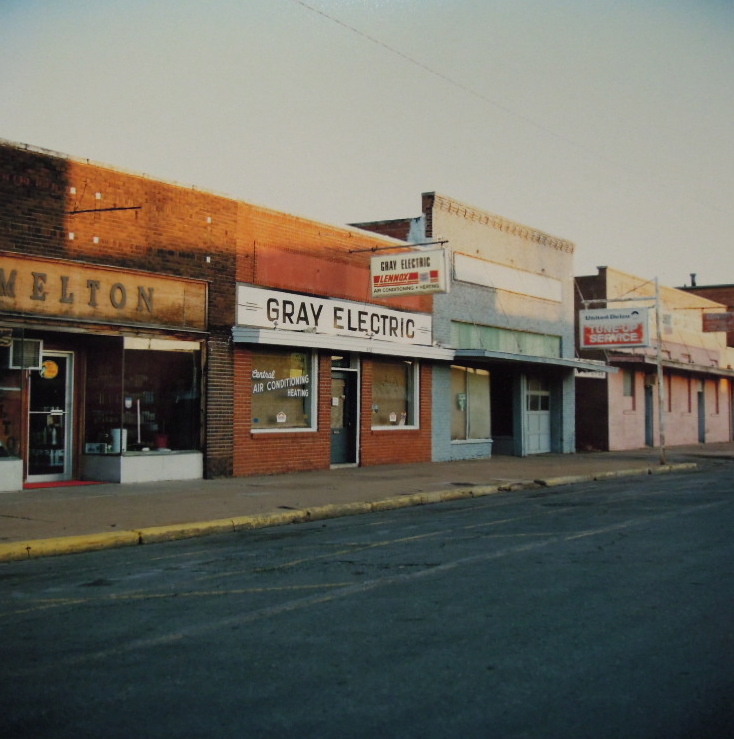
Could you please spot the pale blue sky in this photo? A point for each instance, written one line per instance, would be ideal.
(606, 122)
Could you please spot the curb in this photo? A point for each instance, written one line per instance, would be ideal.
(659, 470)
(36, 548)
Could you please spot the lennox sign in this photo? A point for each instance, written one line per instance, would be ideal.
(409, 273)
(602, 328)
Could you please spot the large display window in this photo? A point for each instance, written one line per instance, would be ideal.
(283, 390)
(470, 413)
(140, 398)
(394, 393)
(10, 412)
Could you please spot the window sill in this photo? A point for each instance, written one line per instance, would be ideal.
(396, 426)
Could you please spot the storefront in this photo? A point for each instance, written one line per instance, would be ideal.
(506, 404)
(323, 382)
(100, 374)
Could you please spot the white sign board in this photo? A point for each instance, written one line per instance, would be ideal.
(283, 311)
(605, 327)
(409, 273)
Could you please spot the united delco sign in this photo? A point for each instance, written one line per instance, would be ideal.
(283, 311)
(409, 273)
(84, 292)
(602, 328)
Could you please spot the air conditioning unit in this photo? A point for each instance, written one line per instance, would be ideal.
(25, 354)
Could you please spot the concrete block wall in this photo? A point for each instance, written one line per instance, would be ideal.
(444, 450)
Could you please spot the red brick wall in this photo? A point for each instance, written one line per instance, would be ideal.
(266, 453)
(269, 453)
(720, 294)
(398, 228)
(395, 446)
(175, 230)
(291, 253)
(172, 231)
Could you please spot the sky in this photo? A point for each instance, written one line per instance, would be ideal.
(604, 122)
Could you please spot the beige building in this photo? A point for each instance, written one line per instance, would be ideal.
(622, 410)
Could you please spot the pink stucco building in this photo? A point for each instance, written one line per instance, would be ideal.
(623, 410)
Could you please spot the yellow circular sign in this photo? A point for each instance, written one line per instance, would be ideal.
(49, 369)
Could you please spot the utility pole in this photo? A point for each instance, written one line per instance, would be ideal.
(659, 357)
(661, 384)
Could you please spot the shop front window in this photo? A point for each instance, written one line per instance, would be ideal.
(394, 393)
(161, 400)
(10, 412)
(470, 412)
(283, 390)
(142, 399)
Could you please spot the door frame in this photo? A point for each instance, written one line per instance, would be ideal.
(69, 412)
(351, 409)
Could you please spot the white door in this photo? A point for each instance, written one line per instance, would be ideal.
(538, 417)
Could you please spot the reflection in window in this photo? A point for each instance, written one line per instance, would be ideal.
(141, 399)
(10, 412)
(282, 390)
(161, 399)
(470, 416)
(394, 393)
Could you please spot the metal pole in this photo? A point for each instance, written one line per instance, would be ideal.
(661, 386)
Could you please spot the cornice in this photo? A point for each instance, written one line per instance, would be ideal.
(501, 224)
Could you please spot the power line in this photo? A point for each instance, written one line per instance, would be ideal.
(465, 88)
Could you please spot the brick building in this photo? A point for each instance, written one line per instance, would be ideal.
(154, 331)
(722, 294)
(508, 313)
(622, 410)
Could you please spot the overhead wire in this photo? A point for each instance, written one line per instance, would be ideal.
(490, 101)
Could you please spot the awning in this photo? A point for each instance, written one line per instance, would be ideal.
(684, 367)
(313, 340)
(509, 358)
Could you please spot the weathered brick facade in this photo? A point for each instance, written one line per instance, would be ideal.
(57, 207)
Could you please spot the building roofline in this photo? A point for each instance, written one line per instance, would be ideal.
(451, 205)
(386, 240)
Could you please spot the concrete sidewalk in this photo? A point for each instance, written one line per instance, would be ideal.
(62, 520)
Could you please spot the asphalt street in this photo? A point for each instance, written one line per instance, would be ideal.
(600, 609)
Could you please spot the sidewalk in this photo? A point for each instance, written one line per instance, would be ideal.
(51, 521)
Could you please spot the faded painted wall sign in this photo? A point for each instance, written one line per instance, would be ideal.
(77, 291)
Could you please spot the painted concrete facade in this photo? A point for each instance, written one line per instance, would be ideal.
(622, 410)
(509, 312)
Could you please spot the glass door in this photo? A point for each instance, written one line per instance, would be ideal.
(50, 418)
(343, 417)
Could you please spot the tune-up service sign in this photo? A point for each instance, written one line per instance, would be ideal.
(602, 328)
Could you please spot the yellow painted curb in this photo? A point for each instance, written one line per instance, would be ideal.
(635, 471)
(663, 468)
(34, 548)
